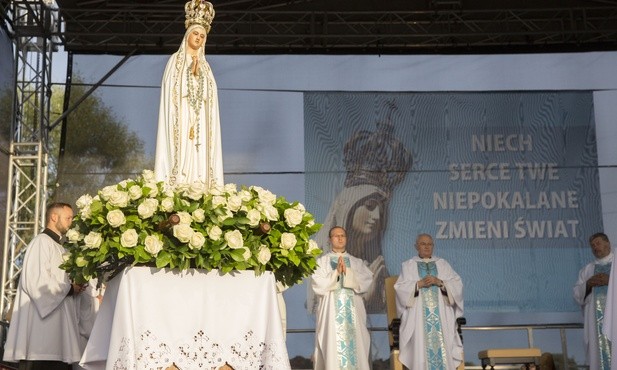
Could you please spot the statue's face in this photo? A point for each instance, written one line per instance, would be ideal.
(366, 217)
(196, 38)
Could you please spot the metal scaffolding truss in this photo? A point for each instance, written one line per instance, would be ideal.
(31, 26)
(25, 212)
(358, 27)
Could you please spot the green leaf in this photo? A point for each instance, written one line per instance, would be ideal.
(237, 255)
(293, 257)
(163, 259)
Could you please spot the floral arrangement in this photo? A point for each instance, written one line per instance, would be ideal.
(142, 222)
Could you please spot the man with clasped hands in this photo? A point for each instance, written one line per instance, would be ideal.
(429, 299)
(342, 340)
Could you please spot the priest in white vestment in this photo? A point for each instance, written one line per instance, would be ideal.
(610, 313)
(188, 143)
(590, 292)
(43, 332)
(342, 340)
(429, 299)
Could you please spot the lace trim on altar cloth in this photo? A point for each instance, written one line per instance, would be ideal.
(201, 352)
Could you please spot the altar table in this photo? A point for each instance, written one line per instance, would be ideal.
(155, 318)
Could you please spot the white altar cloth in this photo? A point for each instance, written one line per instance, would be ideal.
(152, 318)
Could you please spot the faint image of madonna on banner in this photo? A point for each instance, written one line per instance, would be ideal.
(375, 163)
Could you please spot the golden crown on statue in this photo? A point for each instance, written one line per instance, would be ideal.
(376, 157)
(199, 12)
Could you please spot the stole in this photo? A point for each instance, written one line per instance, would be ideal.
(434, 343)
(345, 323)
(600, 292)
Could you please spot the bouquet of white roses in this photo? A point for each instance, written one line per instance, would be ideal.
(141, 222)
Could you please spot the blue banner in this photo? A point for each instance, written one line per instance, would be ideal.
(505, 182)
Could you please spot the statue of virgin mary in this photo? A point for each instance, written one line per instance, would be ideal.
(188, 144)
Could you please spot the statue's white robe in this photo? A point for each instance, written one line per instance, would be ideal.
(178, 158)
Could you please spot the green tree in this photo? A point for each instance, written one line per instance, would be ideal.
(100, 149)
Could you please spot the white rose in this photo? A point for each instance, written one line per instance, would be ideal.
(246, 254)
(183, 232)
(288, 240)
(195, 191)
(135, 192)
(215, 233)
(215, 190)
(245, 195)
(147, 175)
(264, 254)
(116, 218)
(300, 207)
(199, 215)
(129, 238)
(230, 188)
(254, 217)
(293, 217)
(147, 208)
(73, 235)
(119, 199)
(180, 188)
(234, 203)
(265, 196)
(197, 240)
(271, 213)
(107, 191)
(167, 204)
(185, 217)
(234, 239)
(227, 214)
(124, 183)
(153, 244)
(310, 223)
(93, 240)
(312, 245)
(84, 201)
(218, 200)
(85, 213)
(154, 189)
